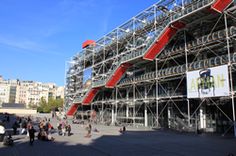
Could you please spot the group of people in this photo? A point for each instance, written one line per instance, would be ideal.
(64, 128)
(122, 130)
(26, 125)
(45, 130)
(5, 136)
(27, 128)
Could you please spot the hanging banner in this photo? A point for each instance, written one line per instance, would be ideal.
(209, 82)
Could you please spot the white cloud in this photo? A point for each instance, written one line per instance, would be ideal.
(27, 45)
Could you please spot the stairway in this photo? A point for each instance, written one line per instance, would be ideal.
(116, 76)
(221, 5)
(163, 40)
(73, 108)
(88, 98)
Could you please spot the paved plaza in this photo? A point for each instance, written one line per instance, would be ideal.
(136, 141)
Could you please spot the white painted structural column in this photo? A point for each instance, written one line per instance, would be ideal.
(127, 111)
(157, 104)
(127, 105)
(202, 118)
(145, 115)
(112, 115)
(169, 122)
(145, 108)
(230, 73)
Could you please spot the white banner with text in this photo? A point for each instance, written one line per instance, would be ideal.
(209, 82)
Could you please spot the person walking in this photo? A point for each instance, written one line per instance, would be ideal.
(68, 129)
(31, 134)
(14, 127)
(89, 129)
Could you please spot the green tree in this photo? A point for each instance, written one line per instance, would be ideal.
(46, 107)
(32, 106)
(43, 106)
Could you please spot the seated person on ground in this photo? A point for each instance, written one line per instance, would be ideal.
(8, 141)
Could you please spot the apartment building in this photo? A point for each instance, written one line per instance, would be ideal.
(4, 92)
(28, 92)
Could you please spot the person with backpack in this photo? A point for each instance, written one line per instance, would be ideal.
(8, 141)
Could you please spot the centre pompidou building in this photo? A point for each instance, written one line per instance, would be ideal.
(171, 66)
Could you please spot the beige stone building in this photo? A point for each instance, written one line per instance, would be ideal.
(9, 91)
(4, 92)
(60, 92)
(28, 92)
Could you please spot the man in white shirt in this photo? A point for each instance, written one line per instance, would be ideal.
(2, 131)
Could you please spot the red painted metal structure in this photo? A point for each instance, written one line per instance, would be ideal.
(72, 109)
(221, 5)
(87, 43)
(117, 75)
(90, 96)
(162, 41)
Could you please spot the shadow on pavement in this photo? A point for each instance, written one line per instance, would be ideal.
(130, 143)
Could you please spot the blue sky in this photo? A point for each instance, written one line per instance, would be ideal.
(37, 37)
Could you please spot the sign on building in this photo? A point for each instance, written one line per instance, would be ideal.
(209, 82)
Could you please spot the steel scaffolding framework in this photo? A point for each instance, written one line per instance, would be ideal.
(139, 69)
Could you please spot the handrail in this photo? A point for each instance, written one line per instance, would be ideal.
(176, 70)
(168, 18)
(206, 40)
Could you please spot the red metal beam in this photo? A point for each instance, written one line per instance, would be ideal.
(157, 47)
(117, 75)
(221, 5)
(72, 109)
(163, 40)
(90, 96)
(87, 43)
(178, 25)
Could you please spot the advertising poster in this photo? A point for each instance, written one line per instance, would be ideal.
(208, 82)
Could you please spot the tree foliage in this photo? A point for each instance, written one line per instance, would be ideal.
(32, 106)
(46, 107)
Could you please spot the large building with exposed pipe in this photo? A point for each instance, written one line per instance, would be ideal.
(171, 66)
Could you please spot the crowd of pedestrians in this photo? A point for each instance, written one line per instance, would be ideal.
(26, 126)
(41, 128)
